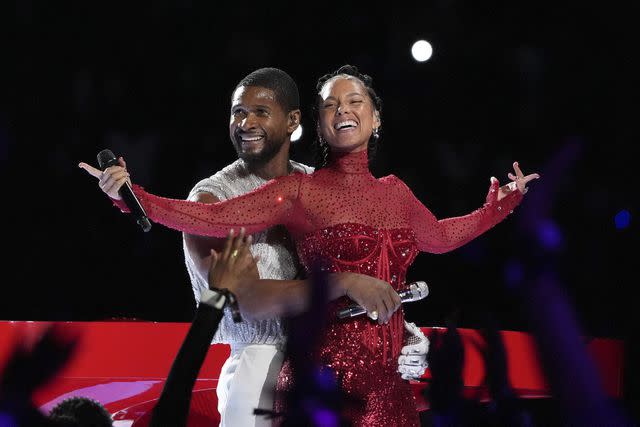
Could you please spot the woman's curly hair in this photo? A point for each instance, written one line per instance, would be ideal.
(321, 147)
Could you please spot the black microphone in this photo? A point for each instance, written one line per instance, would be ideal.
(414, 292)
(106, 158)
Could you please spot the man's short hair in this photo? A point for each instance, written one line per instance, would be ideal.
(279, 82)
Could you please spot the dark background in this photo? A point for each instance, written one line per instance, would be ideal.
(546, 83)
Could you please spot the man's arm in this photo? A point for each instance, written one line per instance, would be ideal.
(266, 298)
(199, 247)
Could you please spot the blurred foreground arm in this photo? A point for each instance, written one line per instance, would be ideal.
(172, 408)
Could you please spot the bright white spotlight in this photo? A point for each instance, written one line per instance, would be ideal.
(421, 50)
(296, 134)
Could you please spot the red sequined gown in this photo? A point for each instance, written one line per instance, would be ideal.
(360, 224)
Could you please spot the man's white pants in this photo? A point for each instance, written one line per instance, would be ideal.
(247, 381)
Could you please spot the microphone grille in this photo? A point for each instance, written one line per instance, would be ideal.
(106, 158)
(420, 289)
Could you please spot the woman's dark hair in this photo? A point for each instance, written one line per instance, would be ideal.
(321, 147)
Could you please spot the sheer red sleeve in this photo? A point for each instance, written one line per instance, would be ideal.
(271, 204)
(444, 235)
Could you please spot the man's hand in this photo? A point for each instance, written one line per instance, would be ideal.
(413, 358)
(111, 179)
(374, 295)
(234, 265)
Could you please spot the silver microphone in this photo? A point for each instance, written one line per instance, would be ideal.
(414, 292)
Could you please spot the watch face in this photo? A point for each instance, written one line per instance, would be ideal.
(213, 298)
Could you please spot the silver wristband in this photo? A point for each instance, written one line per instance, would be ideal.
(213, 298)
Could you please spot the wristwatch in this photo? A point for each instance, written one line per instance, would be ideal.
(219, 298)
(213, 298)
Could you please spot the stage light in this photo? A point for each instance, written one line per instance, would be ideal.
(550, 236)
(296, 134)
(623, 219)
(421, 50)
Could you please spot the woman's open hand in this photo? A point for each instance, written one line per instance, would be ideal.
(519, 182)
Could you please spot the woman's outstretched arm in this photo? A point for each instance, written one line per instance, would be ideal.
(271, 204)
(444, 235)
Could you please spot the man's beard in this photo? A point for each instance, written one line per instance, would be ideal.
(268, 152)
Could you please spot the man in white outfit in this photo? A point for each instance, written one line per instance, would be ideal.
(264, 114)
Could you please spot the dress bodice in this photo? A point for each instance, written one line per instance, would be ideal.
(358, 248)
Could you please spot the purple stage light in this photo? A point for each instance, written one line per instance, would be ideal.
(623, 219)
(325, 418)
(549, 235)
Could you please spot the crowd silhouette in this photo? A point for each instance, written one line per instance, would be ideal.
(578, 398)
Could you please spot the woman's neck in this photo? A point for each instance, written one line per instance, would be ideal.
(354, 162)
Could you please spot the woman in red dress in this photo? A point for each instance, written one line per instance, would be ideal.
(351, 221)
